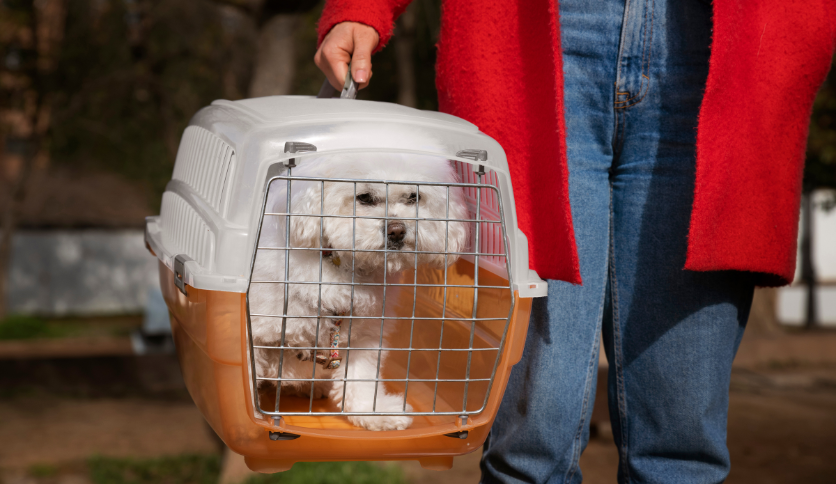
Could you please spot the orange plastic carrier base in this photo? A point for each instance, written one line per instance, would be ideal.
(210, 333)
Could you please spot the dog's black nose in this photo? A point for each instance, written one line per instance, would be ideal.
(396, 231)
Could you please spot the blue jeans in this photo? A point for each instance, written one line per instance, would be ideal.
(634, 72)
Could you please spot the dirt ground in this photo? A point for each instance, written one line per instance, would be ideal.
(782, 429)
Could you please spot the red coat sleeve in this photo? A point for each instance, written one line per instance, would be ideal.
(378, 14)
(768, 59)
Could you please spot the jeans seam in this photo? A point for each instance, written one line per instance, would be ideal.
(617, 353)
(645, 51)
(593, 354)
(576, 447)
(646, 57)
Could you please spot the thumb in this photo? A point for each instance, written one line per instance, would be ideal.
(365, 41)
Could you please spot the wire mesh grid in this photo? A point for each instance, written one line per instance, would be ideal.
(418, 363)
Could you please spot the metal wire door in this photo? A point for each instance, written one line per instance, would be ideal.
(453, 298)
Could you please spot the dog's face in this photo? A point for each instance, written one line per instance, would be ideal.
(381, 224)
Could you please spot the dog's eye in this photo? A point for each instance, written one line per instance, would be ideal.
(366, 199)
(412, 198)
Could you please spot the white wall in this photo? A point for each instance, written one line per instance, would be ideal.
(792, 299)
(82, 272)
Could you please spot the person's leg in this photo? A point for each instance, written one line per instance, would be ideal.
(543, 423)
(670, 334)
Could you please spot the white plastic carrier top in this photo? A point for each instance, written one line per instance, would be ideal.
(211, 208)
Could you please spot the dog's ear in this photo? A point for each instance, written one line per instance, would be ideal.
(305, 221)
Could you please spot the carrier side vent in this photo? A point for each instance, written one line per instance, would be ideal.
(203, 162)
(491, 240)
(183, 231)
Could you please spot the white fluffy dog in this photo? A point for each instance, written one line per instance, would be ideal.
(333, 238)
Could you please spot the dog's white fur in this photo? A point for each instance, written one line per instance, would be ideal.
(337, 234)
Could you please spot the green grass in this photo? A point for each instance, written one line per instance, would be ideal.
(23, 327)
(42, 470)
(334, 473)
(185, 469)
(204, 469)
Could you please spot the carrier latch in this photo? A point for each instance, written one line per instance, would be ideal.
(475, 155)
(180, 272)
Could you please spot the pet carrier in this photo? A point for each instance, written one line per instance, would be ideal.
(455, 313)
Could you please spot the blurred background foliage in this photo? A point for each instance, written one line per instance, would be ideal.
(127, 81)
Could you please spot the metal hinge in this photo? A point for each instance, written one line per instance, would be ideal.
(462, 434)
(180, 272)
(283, 436)
(296, 147)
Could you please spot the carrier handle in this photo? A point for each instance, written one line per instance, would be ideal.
(349, 91)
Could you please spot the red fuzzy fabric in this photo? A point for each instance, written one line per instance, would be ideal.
(500, 67)
(768, 59)
(380, 14)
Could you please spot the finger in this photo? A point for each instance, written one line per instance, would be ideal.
(339, 68)
(333, 60)
(365, 41)
(334, 53)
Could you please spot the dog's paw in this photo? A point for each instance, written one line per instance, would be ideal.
(399, 422)
(386, 403)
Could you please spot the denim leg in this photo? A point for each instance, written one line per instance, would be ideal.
(543, 423)
(670, 334)
(634, 73)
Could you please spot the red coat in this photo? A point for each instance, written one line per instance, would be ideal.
(500, 67)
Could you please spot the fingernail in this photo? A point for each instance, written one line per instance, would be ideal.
(360, 75)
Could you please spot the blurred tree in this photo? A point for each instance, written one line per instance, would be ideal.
(405, 55)
(278, 23)
(30, 36)
(131, 74)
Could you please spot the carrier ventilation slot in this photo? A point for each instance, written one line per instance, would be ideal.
(491, 240)
(184, 232)
(203, 162)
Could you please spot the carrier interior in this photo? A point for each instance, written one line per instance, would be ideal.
(435, 307)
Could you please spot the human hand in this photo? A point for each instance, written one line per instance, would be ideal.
(347, 42)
